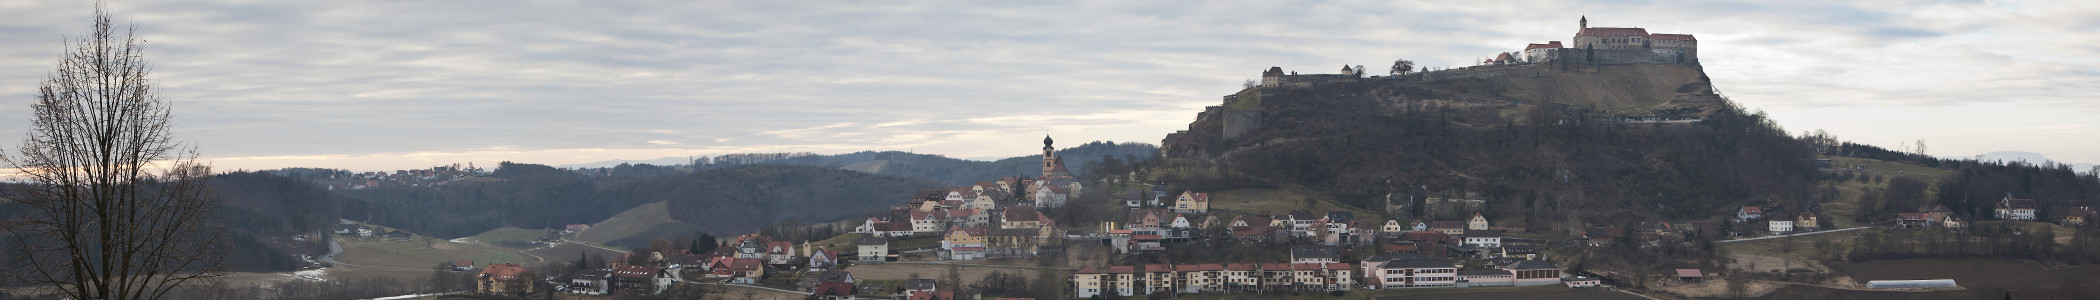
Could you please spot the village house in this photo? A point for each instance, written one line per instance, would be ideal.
(1806, 221)
(1477, 223)
(1914, 220)
(1448, 227)
(823, 258)
(2077, 215)
(641, 280)
(2016, 209)
(1250, 228)
(1485, 238)
(1089, 282)
(463, 265)
(738, 270)
(1134, 199)
(1192, 202)
(780, 253)
(590, 282)
(1780, 225)
(1392, 228)
(916, 287)
(400, 235)
(504, 279)
(1749, 212)
(872, 249)
(1600, 236)
(833, 290)
(963, 243)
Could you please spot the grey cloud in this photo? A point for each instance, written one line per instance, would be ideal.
(301, 78)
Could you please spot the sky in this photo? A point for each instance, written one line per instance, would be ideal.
(385, 85)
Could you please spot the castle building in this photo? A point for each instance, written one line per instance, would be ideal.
(1615, 39)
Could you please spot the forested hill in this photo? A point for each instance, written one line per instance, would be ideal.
(948, 170)
(1533, 148)
(722, 200)
(748, 197)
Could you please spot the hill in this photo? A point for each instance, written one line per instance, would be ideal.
(941, 168)
(747, 197)
(1548, 147)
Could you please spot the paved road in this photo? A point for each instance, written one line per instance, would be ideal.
(1781, 236)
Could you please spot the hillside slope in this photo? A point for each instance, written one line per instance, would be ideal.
(1540, 146)
(957, 171)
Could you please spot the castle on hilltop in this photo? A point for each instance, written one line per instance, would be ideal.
(1611, 45)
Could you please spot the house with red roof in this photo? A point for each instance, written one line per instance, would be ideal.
(1192, 202)
(504, 279)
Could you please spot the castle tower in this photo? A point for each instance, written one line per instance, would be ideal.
(1585, 22)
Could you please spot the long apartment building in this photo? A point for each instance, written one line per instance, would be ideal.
(1210, 278)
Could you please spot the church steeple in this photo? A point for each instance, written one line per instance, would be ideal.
(1585, 22)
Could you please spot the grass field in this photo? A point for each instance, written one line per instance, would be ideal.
(636, 221)
(423, 253)
(508, 236)
(1276, 201)
(1886, 166)
(1979, 273)
(568, 252)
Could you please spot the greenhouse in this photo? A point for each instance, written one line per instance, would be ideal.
(1911, 284)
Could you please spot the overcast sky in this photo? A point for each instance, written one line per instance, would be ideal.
(381, 85)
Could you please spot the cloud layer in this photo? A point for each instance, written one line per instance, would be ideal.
(383, 84)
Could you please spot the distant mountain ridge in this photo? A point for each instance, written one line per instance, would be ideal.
(2030, 158)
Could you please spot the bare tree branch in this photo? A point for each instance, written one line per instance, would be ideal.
(118, 210)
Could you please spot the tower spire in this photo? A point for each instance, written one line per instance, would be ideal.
(1585, 22)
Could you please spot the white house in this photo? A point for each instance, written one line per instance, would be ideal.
(1780, 226)
(1484, 238)
(2016, 209)
(1749, 212)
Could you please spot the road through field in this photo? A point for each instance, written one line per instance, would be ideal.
(1793, 235)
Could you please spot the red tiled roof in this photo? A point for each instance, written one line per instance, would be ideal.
(1912, 216)
(1753, 209)
(1120, 270)
(1547, 45)
(1612, 32)
(635, 272)
(504, 271)
(1689, 273)
(1200, 197)
(834, 288)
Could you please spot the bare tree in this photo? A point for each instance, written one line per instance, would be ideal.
(1402, 67)
(1921, 147)
(116, 210)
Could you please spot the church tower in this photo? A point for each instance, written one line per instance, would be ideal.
(1052, 165)
(1585, 22)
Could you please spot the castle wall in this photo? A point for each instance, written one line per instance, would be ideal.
(1651, 56)
(1241, 121)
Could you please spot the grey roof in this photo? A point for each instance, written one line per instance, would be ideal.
(1484, 273)
(1134, 195)
(1417, 264)
(872, 241)
(1532, 265)
(918, 284)
(1484, 233)
(1314, 252)
(1384, 257)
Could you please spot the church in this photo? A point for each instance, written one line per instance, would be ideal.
(1057, 185)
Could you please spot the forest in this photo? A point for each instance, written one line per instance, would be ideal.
(956, 172)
